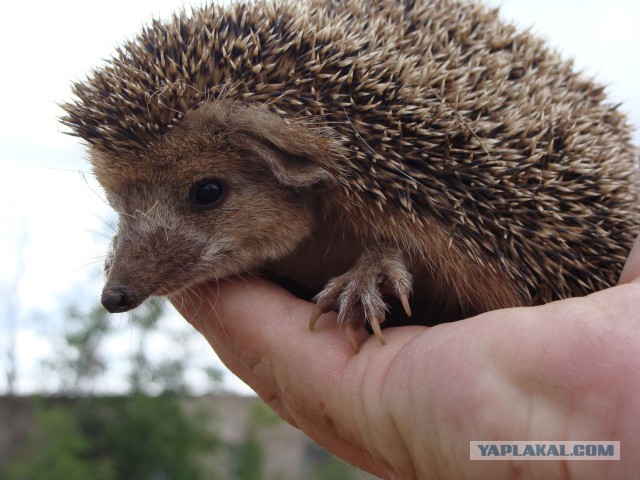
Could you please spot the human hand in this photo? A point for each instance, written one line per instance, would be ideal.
(564, 371)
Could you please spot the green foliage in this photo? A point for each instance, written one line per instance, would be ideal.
(137, 437)
(250, 455)
(167, 374)
(147, 437)
(248, 462)
(56, 450)
(78, 361)
(103, 438)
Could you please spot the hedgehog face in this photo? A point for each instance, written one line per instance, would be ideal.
(211, 201)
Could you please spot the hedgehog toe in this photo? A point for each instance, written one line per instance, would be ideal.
(358, 294)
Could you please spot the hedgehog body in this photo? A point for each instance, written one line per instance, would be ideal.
(423, 139)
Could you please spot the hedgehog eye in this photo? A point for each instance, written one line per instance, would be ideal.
(207, 192)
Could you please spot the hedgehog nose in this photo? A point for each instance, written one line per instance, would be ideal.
(118, 298)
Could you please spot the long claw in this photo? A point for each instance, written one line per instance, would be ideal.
(317, 311)
(351, 336)
(375, 326)
(405, 304)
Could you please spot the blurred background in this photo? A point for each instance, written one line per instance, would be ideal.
(84, 392)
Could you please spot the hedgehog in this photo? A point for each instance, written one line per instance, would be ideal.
(414, 161)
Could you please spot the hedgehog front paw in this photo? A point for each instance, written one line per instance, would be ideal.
(357, 295)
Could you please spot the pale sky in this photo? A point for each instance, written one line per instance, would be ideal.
(49, 207)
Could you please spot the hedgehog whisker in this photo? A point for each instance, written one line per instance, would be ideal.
(108, 224)
(99, 234)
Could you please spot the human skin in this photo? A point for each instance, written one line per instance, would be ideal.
(568, 370)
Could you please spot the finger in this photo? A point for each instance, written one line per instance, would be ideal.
(255, 319)
(260, 332)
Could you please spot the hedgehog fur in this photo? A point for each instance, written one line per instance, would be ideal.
(441, 109)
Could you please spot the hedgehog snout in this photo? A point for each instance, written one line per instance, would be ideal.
(150, 255)
(119, 298)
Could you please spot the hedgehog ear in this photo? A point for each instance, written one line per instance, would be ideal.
(298, 153)
(293, 168)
